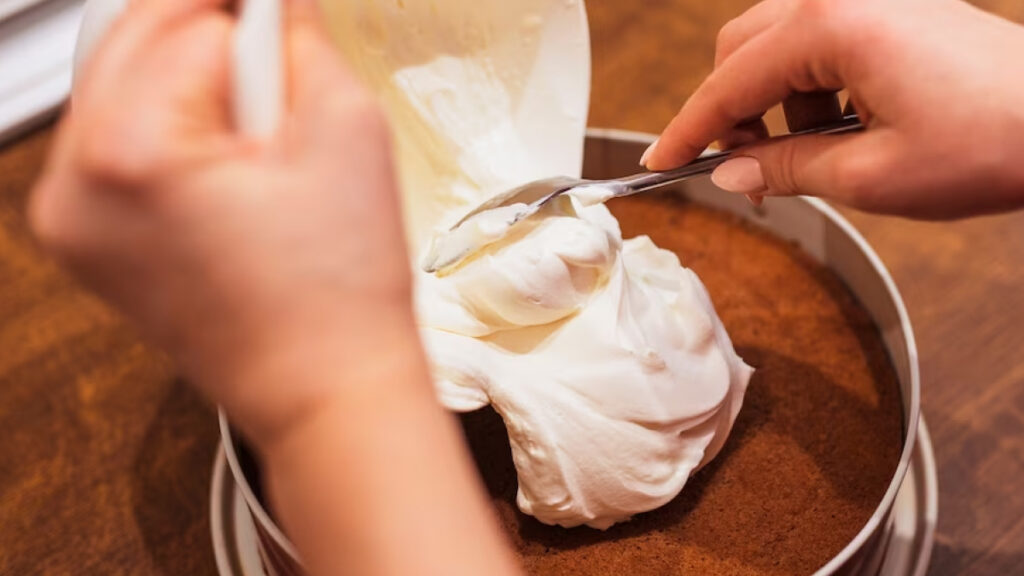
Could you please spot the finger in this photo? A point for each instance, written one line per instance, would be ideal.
(328, 105)
(144, 20)
(853, 169)
(740, 30)
(173, 109)
(737, 32)
(139, 25)
(154, 14)
(743, 87)
(317, 73)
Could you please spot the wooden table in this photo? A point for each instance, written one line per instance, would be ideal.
(105, 459)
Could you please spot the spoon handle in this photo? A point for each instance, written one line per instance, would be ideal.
(707, 162)
(258, 68)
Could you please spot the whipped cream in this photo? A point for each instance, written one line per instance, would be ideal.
(604, 357)
(614, 376)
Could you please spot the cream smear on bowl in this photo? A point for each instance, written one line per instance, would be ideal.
(604, 357)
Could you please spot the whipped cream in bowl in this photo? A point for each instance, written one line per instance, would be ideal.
(605, 358)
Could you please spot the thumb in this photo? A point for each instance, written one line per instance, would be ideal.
(848, 168)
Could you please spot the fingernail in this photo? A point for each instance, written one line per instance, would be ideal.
(740, 175)
(647, 153)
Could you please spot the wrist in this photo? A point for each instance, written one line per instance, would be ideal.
(360, 464)
(279, 381)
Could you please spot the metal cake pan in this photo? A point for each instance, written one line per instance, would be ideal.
(896, 540)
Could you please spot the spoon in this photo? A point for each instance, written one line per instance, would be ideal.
(493, 219)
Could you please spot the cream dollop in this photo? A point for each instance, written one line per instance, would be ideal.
(605, 358)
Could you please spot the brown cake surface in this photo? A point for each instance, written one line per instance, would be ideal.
(813, 449)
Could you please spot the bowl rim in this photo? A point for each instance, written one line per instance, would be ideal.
(884, 508)
(910, 424)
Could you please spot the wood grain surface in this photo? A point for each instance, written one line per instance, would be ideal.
(106, 456)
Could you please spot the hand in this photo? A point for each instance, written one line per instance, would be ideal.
(276, 274)
(249, 262)
(932, 79)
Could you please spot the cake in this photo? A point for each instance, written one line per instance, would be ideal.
(811, 454)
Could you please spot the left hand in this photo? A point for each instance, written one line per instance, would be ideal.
(248, 261)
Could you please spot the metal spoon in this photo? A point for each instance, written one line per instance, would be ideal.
(522, 202)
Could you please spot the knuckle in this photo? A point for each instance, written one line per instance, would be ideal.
(824, 12)
(725, 40)
(117, 152)
(46, 220)
(846, 23)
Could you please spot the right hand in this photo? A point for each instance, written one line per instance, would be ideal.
(934, 80)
